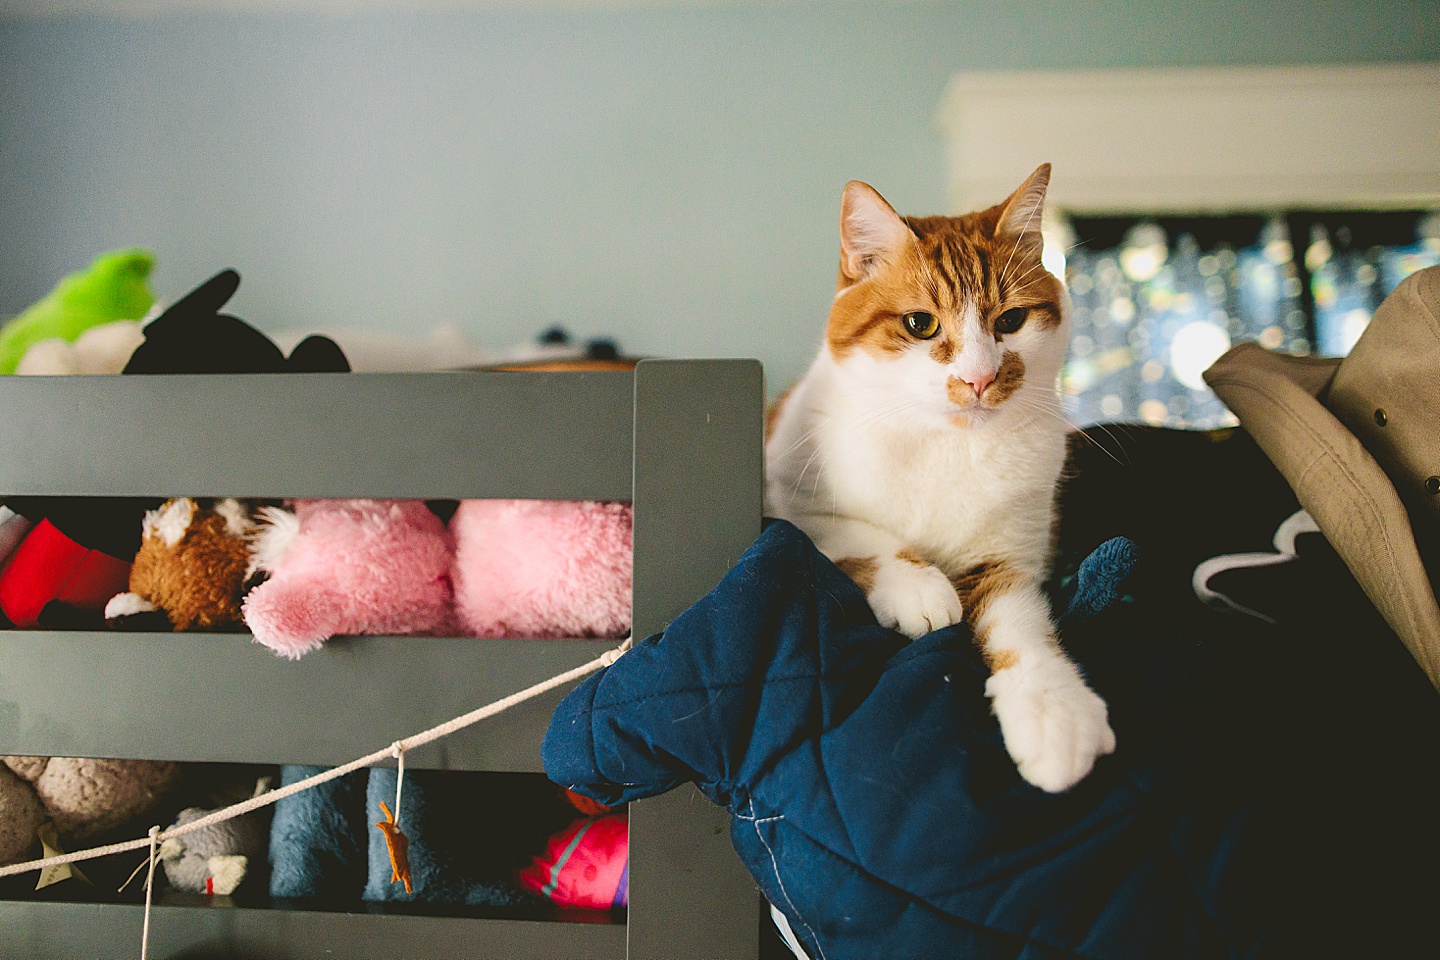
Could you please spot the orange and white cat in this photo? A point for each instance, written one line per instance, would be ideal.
(922, 449)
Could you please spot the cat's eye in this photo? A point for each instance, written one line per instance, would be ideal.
(922, 324)
(1011, 320)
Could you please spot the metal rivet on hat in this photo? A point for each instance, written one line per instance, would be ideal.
(1381, 417)
(1432, 485)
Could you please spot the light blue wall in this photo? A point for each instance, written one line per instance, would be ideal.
(669, 174)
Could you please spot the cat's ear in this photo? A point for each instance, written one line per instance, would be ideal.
(871, 232)
(1020, 213)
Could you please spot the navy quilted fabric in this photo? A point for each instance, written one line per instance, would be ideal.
(874, 803)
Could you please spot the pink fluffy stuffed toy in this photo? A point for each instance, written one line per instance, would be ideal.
(542, 568)
(349, 567)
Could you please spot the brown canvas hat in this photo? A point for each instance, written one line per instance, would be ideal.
(1358, 439)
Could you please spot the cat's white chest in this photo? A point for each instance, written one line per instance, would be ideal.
(959, 496)
(939, 493)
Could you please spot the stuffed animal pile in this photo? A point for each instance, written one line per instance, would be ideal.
(296, 576)
(80, 552)
(553, 845)
(292, 573)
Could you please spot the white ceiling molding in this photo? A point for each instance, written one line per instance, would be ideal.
(1198, 140)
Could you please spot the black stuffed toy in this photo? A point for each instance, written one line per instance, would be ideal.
(79, 552)
(193, 336)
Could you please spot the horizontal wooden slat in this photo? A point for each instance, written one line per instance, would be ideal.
(440, 435)
(224, 698)
(188, 927)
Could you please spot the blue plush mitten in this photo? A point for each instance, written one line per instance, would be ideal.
(317, 838)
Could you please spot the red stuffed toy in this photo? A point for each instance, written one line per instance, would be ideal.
(75, 558)
(587, 864)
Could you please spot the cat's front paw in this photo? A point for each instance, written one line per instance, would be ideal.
(1055, 727)
(913, 598)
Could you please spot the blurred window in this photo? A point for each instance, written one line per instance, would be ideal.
(1157, 300)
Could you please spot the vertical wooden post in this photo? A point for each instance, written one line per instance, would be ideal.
(698, 495)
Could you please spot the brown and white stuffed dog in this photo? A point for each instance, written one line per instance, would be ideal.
(192, 566)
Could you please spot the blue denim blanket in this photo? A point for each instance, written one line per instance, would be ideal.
(874, 803)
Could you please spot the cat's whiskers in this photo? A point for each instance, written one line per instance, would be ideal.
(1038, 265)
(822, 420)
(1109, 433)
(1056, 409)
(1015, 249)
(1043, 403)
(800, 477)
(1033, 268)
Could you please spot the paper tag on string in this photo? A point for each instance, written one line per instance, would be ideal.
(50, 847)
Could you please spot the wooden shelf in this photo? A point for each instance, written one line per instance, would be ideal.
(681, 440)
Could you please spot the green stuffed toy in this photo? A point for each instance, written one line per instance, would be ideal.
(114, 287)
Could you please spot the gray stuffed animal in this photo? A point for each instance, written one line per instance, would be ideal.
(217, 858)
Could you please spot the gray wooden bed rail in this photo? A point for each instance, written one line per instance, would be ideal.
(681, 438)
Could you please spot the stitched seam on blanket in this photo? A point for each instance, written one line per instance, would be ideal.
(705, 688)
(775, 865)
(916, 900)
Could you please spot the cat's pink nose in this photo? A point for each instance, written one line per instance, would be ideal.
(980, 382)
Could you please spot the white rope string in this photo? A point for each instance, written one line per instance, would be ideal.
(149, 895)
(399, 752)
(133, 874)
(334, 773)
